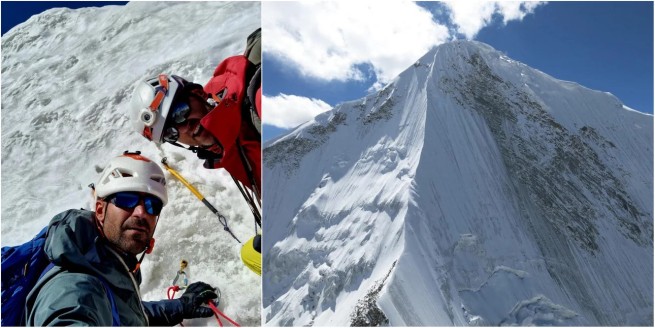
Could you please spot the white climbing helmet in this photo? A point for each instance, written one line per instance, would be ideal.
(132, 172)
(151, 102)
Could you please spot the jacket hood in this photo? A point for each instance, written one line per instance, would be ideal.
(74, 243)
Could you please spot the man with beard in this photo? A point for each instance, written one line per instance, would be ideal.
(95, 275)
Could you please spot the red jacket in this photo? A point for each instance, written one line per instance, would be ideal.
(226, 124)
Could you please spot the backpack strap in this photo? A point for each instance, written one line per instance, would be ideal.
(115, 319)
(252, 109)
(253, 47)
(47, 268)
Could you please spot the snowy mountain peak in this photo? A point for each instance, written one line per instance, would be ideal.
(458, 50)
(470, 177)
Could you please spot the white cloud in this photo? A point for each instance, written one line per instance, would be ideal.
(288, 111)
(471, 16)
(327, 40)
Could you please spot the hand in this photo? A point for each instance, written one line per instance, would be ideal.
(196, 294)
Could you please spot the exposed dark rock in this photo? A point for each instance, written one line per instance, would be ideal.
(367, 313)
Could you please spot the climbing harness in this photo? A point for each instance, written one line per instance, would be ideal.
(221, 218)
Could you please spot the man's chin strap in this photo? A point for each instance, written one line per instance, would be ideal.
(148, 250)
(214, 151)
(149, 247)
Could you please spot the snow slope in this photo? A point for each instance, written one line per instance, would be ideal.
(67, 78)
(472, 190)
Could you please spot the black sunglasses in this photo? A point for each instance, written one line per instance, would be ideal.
(180, 112)
(129, 200)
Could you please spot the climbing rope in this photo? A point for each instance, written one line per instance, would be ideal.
(218, 312)
(173, 289)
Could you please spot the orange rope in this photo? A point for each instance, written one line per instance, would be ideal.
(174, 289)
(217, 312)
(170, 296)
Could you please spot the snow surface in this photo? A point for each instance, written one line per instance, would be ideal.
(67, 78)
(472, 190)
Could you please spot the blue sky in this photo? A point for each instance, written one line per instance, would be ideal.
(16, 12)
(606, 46)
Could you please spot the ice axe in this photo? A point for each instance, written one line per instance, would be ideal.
(195, 191)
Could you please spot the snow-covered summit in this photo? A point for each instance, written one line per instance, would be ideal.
(471, 190)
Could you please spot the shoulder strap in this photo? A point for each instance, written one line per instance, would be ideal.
(253, 47)
(251, 105)
(115, 319)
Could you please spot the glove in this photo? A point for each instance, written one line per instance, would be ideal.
(196, 294)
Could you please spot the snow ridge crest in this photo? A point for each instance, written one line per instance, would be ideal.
(546, 178)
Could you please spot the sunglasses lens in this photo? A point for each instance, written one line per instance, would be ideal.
(126, 200)
(180, 112)
(153, 205)
(171, 134)
(130, 200)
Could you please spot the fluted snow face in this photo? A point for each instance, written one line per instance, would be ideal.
(67, 79)
(472, 190)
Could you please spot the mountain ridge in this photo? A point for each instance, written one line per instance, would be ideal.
(464, 142)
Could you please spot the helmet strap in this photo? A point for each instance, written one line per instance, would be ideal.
(148, 250)
(194, 148)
